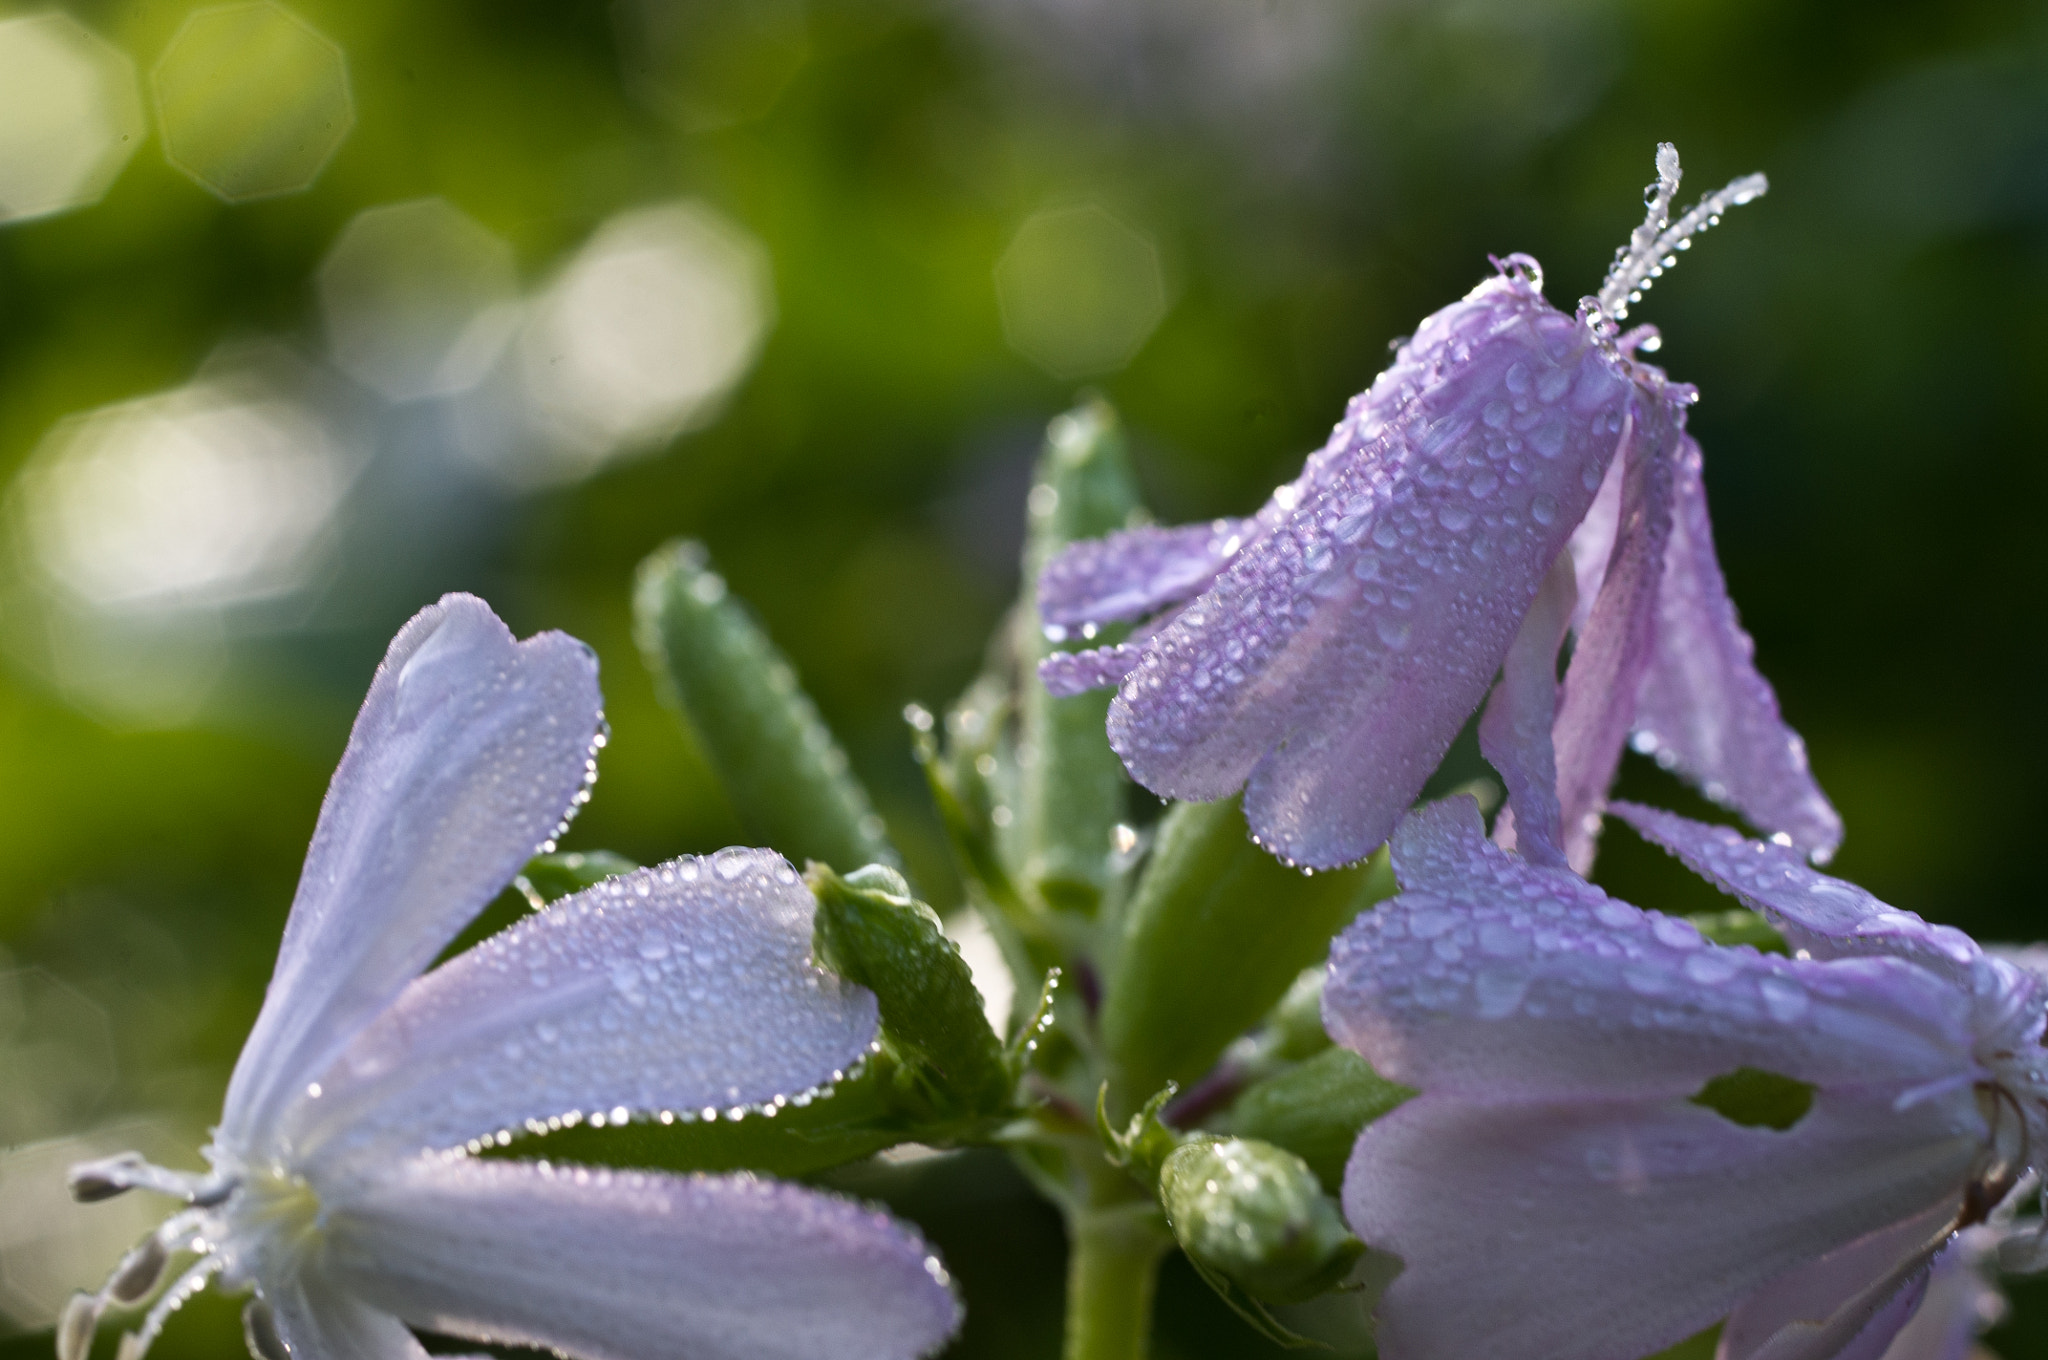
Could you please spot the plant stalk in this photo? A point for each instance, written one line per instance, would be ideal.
(1113, 1251)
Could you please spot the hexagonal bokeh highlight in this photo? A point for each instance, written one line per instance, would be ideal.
(643, 334)
(251, 101)
(69, 115)
(418, 299)
(1080, 291)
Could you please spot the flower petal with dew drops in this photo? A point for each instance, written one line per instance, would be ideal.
(1136, 571)
(1335, 657)
(1702, 708)
(1514, 732)
(1607, 1230)
(615, 1265)
(469, 752)
(1491, 978)
(1828, 917)
(1066, 674)
(1614, 649)
(680, 987)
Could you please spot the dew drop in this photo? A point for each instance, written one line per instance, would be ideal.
(1543, 508)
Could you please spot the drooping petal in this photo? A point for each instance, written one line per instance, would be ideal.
(1514, 732)
(1494, 978)
(1846, 1305)
(680, 987)
(319, 1321)
(1592, 543)
(1133, 572)
(614, 1265)
(1961, 1302)
(1828, 917)
(469, 752)
(1065, 674)
(1702, 707)
(1614, 649)
(1336, 657)
(1605, 1231)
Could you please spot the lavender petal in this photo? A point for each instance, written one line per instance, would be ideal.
(1065, 674)
(1846, 1305)
(1133, 572)
(1335, 658)
(1703, 709)
(1514, 733)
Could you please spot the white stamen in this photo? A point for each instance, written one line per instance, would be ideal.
(1654, 246)
(136, 1344)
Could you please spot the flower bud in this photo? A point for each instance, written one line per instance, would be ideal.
(1255, 1213)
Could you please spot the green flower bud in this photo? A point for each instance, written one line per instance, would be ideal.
(1254, 1213)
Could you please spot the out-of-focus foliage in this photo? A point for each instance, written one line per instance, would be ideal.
(787, 276)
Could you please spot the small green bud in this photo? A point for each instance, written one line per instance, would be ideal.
(1316, 1109)
(549, 878)
(787, 777)
(870, 931)
(1255, 1214)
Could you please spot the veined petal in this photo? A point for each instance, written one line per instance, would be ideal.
(1960, 1304)
(625, 1266)
(1592, 543)
(1846, 1305)
(1494, 978)
(1702, 707)
(1828, 917)
(1133, 572)
(1607, 1231)
(680, 987)
(321, 1322)
(468, 754)
(1514, 733)
(1614, 649)
(1335, 658)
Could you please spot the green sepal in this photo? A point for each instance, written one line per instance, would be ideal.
(787, 777)
(967, 798)
(549, 878)
(870, 931)
(1256, 1315)
(1212, 937)
(1144, 1143)
(1739, 926)
(1315, 1109)
(1071, 786)
(1257, 1214)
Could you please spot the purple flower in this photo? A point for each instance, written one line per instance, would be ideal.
(344, 1190)
(1516, 473)
(1564, 1189)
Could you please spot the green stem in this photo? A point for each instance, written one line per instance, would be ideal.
(1113, 1256)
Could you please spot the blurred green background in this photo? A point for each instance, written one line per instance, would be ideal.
(902, 235)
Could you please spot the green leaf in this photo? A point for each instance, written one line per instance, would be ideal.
(1214, 934)
(549, 878)
(1072, 787)
(1258, 1214)
(870, 931)
(1315, 1110)
(787, 778)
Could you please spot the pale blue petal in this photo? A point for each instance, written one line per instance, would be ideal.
(1514, 732)
(1846, 1305)
(1702, 708)
(1613, 651)
(1066, 674)
(1136, 571)
(615, 1265)
(1607, 1230)
(322, 1322)
(1335, 658)
(1495, 978)
(1961, 1303)
(682, 987)
(468, 754)
(1828, 917)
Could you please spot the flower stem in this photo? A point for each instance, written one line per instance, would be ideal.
(1112, 1265)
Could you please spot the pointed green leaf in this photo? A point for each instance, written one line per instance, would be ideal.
(1214, 934)
(1072, 787)
(787, 778)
